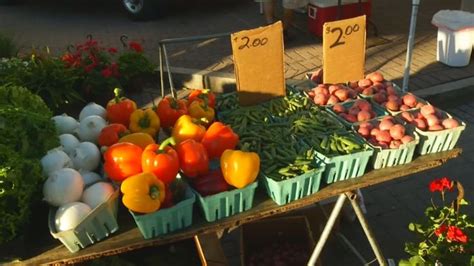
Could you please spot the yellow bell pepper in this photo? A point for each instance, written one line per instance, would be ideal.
(146, 121)
(240, 168)
(139, 139)
(143, 193)
(201, 110)
(187, 127)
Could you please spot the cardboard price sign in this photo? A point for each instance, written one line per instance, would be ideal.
(258, 63)
(344, 50)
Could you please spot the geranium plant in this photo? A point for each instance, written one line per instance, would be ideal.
(97, 67)
(447, 233)
(134, 66)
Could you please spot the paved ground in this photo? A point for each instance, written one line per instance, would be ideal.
(391, 206)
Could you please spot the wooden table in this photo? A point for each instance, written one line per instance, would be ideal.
(128, 237)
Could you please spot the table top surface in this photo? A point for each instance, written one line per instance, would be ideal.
(128, 237)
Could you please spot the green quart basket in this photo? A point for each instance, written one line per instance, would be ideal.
(167, 220)
(436, 141)
(286, 191)
(99, 224)
(342, 167)
(392, 157)
(227, 203)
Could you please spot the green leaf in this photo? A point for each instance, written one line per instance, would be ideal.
(463, 202)
(411, 227)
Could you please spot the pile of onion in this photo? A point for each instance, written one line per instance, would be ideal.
(385, 133)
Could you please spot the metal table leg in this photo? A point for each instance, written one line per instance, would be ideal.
(330, 224)
(363, 222)
(327, 229)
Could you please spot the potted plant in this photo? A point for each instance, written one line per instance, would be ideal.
(446, 234)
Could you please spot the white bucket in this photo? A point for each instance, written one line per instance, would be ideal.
(454, 47)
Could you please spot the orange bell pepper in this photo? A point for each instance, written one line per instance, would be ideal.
(122, 160)
(204, 95)
(161, 160)
(170, 109)
(143, 193)
(219, 138)
(139, 139)
(193, 158)
(119, 109)
(240, 168)
(111, 134)
(187, 128)
(200, 110)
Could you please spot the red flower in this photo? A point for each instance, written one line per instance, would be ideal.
(456, 235)
(115, 70)
(441, 230)
(441, 184)
(90, 67)
(136, 46)
(112, 50)
(107, 72)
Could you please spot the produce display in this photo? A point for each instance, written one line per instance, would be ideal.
(214, 146)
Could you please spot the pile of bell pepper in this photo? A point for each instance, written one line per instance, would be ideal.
(148, 170)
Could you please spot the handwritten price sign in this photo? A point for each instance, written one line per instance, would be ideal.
(258, 63)
(344, 50)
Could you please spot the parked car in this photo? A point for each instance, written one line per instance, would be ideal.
(136, 9)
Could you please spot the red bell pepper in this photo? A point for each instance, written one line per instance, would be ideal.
(119, 109)
(162, 160)
(122, 160)
(205, 95)
(169, 110)
(111, 134)
(211, 183)
(193, 158)
(219, 138)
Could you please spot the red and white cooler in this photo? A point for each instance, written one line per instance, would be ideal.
(322, 11)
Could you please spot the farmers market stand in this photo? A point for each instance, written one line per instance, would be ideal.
(128, 237)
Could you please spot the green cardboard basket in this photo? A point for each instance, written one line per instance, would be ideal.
(342, 167)
(166, 220)
(392, 157)
(443, 140)
(97, 225)
(227, 203)
(286, 191)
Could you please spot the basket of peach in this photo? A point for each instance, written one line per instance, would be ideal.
(394, 141)
(438, 130)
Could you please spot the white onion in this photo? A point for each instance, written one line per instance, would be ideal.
(92, 109)
(63, 186)
(90, 127)
(69, 142)
(54, 160)
(70, 215)
(97, 194)
(86, 156)
(65, 124)
(90, 177)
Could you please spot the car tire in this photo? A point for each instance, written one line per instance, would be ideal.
(140, 10)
